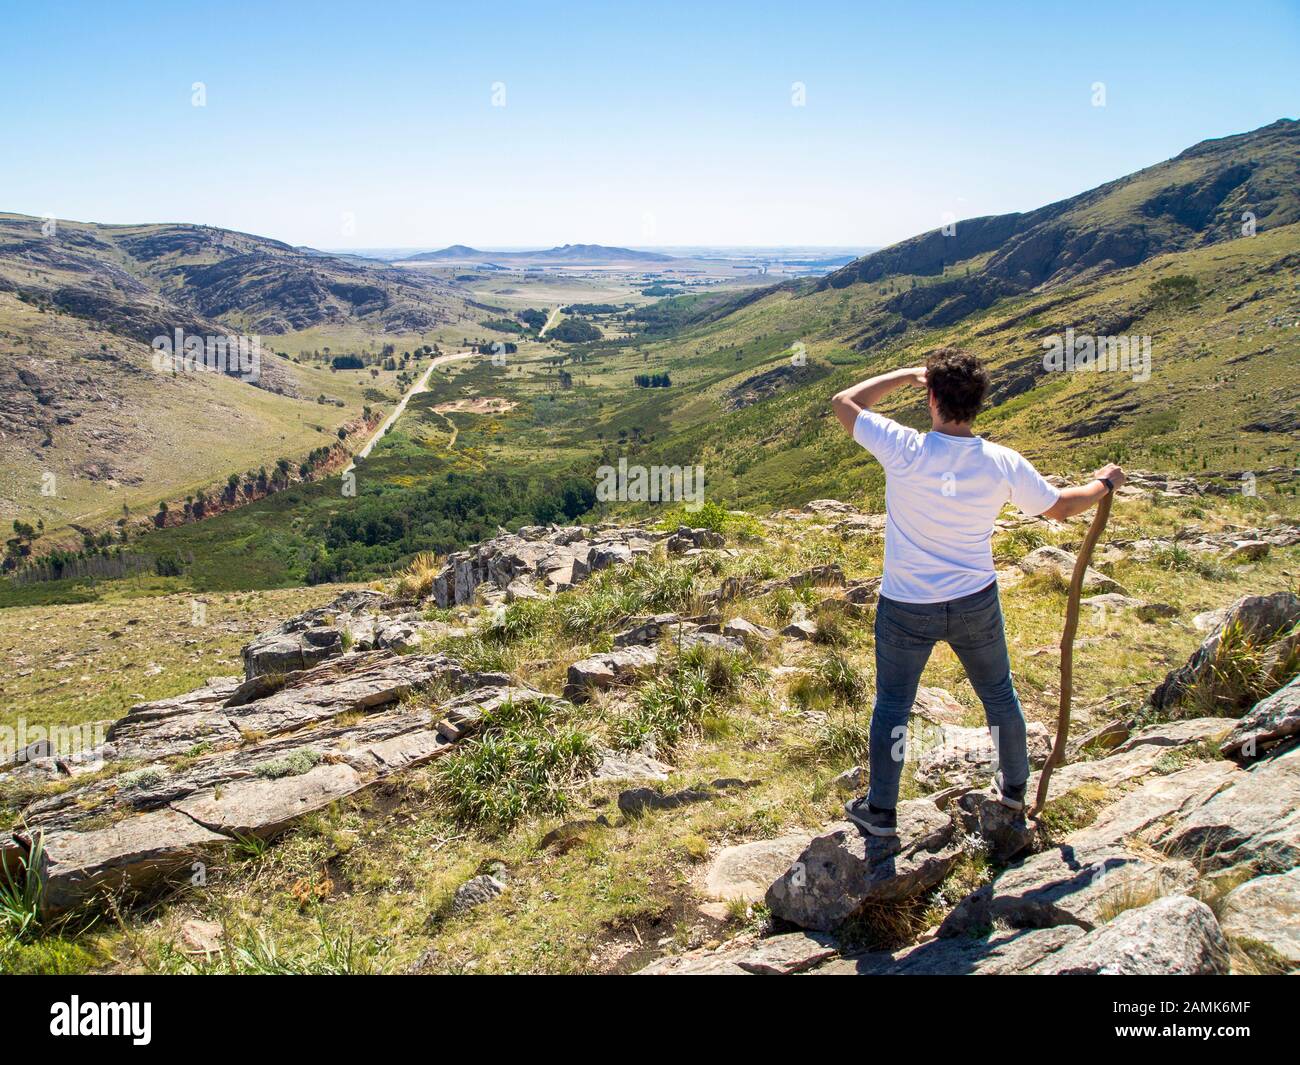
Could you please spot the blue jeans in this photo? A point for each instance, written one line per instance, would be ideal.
(905, 633)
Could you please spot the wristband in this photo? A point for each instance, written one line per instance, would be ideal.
(1110, 485)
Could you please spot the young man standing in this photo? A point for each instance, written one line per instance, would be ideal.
(943, 491)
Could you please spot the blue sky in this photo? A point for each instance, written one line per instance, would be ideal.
(349, 125)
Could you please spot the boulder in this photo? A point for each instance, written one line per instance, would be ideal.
(800, 630)
(604, 671)
(1049, 559)
(618, 765)
(1172, 936)
(746, 870)
(475, 892)
(842, 870)
(1270, 720)
(287, 652)
(1247, 551)
(1267, 910)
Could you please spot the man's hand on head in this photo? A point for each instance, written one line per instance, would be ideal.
(916, 376)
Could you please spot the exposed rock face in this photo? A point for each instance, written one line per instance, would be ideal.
(1176, 936)
(314, 635)
(253, 770)
(1257, 820)
(557, 559)
(842, 870)
(1066, 885)
(997, 954)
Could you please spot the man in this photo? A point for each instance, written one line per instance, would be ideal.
(943, 490)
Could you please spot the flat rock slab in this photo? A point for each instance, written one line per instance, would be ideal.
(1066, 885)
(1172, 936)
(1144, 812)
(747, 870)
(998, 954)
(263, 808)
(1256, 820)
(782, 955)
(843, 869)
(1267, 910)
(128, 856)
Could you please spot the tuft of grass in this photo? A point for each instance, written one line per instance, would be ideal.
(524, 761)
(416, 581)
(1076, 809)
(20, 895)
(333, 953)
(294, 764)
(1242, 672)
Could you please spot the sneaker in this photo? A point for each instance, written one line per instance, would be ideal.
(1012, 797)
(873, 819)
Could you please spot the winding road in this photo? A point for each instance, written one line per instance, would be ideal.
(421, 385)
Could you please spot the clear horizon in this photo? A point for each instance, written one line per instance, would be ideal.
(530, 126)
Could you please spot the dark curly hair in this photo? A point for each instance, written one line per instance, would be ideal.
(958, 382)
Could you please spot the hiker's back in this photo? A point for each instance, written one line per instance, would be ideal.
(942, 495)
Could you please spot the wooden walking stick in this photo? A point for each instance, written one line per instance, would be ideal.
(1057, 757)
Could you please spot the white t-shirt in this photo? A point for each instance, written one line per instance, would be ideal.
(942, 494)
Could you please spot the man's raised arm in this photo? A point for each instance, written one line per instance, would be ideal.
(848, 404)
(1079, 498)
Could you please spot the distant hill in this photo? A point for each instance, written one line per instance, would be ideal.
(565, 253)
(81, 405)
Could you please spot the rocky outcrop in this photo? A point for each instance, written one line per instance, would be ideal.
(557, 558)
(603, 671)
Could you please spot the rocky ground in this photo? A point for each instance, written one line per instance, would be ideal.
(496, 692)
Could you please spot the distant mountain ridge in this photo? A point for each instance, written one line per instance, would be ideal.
(568, 253)
(1204, 195)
